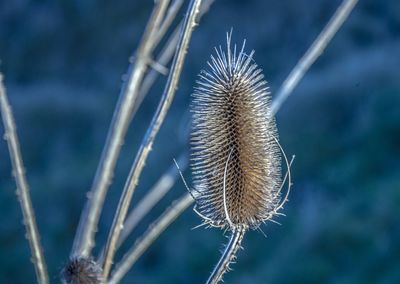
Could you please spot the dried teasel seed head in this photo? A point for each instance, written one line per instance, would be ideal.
(82, 270)
(235, 156)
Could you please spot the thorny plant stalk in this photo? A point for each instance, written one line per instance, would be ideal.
(84, 239)
(158, 66)
(166, 182)
(164, 57)
(149, 236)
(147, 142)
(162, 60)
(22, 188)
(163, 185)
(228, 255)
(159, 190)
(285, 90)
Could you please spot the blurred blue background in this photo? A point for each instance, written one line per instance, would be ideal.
(63, 62)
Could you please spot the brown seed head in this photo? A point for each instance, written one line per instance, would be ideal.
(235, 158)
(82, 270)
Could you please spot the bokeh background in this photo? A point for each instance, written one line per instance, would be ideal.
(63, 62)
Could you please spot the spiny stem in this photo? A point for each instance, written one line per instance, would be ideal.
(228, 256)
(163, 185)
(165, 55)
(166, 182)
(312, 53)
(22, 187)
(84, 239)
(149, 237)
(148, 140)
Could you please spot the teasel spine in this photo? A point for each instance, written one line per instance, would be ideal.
(228, 256)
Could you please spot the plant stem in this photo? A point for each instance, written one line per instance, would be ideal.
(170, 16)
(166, 182)
(22, 188)
(165, 55)
(148, 140)
(84, 239)
(162, 60)
(152, 233)
(163, 185)
(228, 256)
(312, 53)
(168, 50)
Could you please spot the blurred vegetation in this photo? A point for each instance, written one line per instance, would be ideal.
(63, 62)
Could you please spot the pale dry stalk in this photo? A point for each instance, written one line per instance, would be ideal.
(152, 131)
(22, 187)
(84, 239)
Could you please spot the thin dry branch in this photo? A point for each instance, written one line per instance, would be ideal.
(168, 179)
(150, 236)
(162, 60)
(84, 239)
(22, 187)
(155, 194)
(148, 140)
(165, 56)
(316, 49)
(171, 14)
(163, 185)
(166, 182)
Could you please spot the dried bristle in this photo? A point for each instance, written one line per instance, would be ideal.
(82, 270)
(234, 143)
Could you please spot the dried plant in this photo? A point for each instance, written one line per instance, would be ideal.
(235, 157)
(148, 140)
(82, 270)
(236, 161)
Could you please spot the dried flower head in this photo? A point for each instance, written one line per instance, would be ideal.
(235, 155)
(82, 270)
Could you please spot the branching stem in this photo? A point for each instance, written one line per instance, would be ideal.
(148, 140)
(163, 185)
(149, 237)
(84, 239)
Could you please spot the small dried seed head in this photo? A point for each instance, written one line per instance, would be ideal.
(235, 157)
(82, 270)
